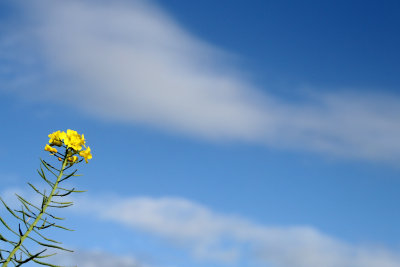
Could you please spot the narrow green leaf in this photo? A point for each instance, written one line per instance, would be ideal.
(60, 206)
(31, 258)
(26, 202)
(43, 175)
(68, 176)
(34, 188)
(55, 217)
(72, 190)
(46, 256)
(62, 227)
(8, 227)
(46, 165)
(54, 246)
(46, 264)
(45, 226)
(45, 238)
(63, 203)
(5, 205)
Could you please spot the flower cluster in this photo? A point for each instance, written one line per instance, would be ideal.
(73, 142)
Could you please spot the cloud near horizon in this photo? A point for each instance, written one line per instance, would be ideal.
(95, 258)
(210, 236)
(231, 239)
(133, 63)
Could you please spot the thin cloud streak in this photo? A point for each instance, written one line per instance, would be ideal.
(216, 237)
(223, 238)
(95, 258)
(133, 63)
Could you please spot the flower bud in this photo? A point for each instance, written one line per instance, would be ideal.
(57, 143)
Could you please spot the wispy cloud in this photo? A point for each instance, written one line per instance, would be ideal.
(217, 237)
(131, 62)
(225, 238)
(95, 258)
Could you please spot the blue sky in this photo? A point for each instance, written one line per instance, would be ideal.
(224, 133)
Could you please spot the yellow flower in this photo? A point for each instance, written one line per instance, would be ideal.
(50, 149)
(74, 140)
(86, 154)
(56, 138)
(72, 159)
(83, 140)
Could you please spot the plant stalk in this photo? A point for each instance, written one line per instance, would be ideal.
(39, 216)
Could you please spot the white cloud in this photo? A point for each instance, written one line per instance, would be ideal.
(96, 258)
(221, 238)
(130, 61)
(216, 237)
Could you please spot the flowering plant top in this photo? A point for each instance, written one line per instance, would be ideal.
(72, 141)
(32, 219)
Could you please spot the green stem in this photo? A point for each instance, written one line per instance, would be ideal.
(23, 237)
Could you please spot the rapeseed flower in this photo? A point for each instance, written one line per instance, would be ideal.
(86, 154)
(74, 140)
(56, 138)
(50, 149)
